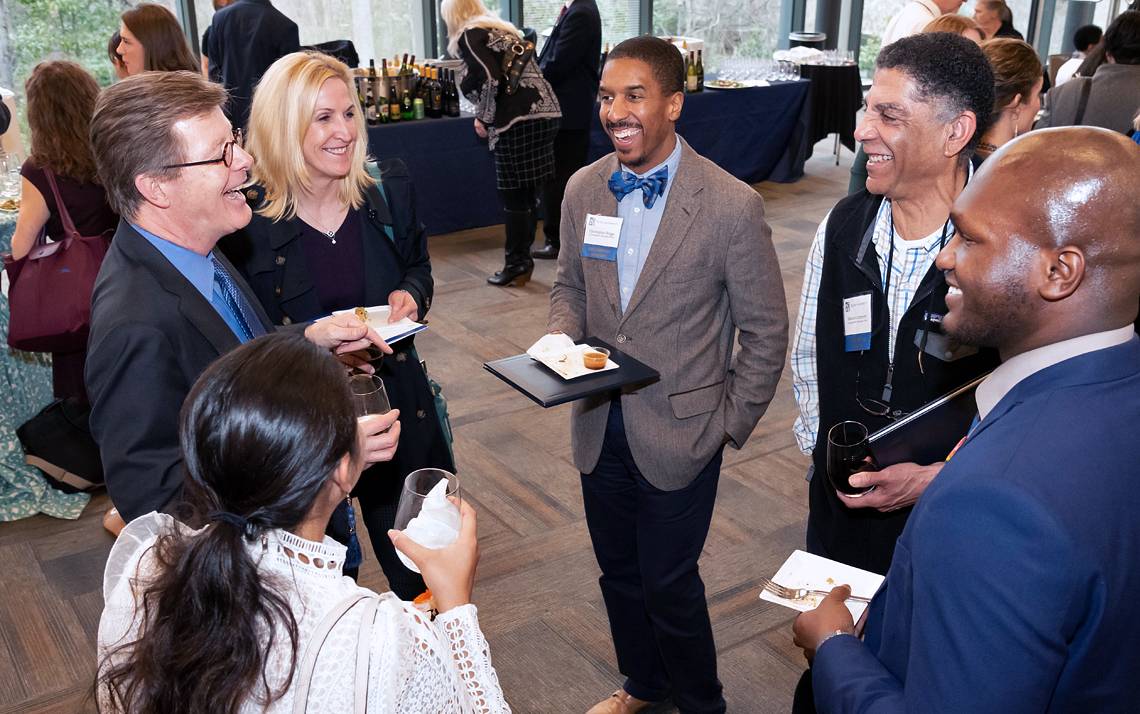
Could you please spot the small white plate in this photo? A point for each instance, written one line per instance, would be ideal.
(568, 365)
(804, 570)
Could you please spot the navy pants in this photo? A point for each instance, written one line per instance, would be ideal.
(647, 542)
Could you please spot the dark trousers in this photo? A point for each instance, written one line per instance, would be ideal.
(570, 149)
(647, 542)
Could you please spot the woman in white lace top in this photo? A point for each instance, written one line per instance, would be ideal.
(250, 611)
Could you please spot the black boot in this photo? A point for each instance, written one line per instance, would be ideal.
(546, 252)
(520, 235)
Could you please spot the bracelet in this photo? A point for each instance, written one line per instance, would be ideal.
(829, 636)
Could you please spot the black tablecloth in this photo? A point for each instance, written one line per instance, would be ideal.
(836, 96)
(756, 134)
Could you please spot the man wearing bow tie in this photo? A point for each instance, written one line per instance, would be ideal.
(692, 264)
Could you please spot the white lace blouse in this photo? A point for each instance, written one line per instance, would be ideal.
(414, 664)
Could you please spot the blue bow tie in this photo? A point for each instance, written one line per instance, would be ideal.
(652, 186)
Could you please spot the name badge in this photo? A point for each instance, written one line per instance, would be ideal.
(857, 322)
(601, 239)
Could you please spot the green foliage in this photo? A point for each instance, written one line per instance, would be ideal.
(62, 29)
(868, 51)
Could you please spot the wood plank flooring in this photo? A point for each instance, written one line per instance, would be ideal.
(537, 590)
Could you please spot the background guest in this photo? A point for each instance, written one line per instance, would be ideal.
(152, 40)
(269, 434)
(956, 24)
(915, 15)
(115, 57)
(213, 73)
(317, 243)
(519, 127)
(569, 61)
(246, 37)
(996, 19)
(1084, 40)
(1017, 92)
(61, 99)
(1113, 92)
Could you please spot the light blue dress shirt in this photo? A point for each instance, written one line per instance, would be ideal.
(199, 271)
(639, 226)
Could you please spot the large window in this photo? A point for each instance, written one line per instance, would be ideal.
(377, 28)
(729, 28)
(619, 18)
(877, 15)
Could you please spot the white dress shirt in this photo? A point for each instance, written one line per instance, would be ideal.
(910, 20)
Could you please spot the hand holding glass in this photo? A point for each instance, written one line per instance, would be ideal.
(849, 452)
(368, 395)
(426, 512)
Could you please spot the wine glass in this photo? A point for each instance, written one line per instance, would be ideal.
(849, 452)
(368, 395)
(437, 525)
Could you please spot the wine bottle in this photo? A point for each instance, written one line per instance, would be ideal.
(453, 101)
(369, 103)
(435, 110)
(700, 72)
(407, 108)
(690, 74)
(394, 111)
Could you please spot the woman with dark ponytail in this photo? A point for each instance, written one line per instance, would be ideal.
(250, 611)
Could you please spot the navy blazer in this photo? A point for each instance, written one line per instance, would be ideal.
(152, 335)
(1015, 585)
(569, 61)
(245, 37)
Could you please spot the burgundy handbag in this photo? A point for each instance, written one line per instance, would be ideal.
(49, 297)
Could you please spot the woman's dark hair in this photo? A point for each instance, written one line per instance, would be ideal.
(951, 73)
(61, 100)
(165, 47)
(262, 430)
(113, 49)
(1122, 38)
(664, 59)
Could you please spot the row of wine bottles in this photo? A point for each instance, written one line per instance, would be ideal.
(404, 90)
(694, 68)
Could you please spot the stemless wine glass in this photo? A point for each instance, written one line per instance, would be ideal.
(849, 452)
(436, 527)
(417, 485)
(368, 395)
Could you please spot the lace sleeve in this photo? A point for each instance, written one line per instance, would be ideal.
(441, 666)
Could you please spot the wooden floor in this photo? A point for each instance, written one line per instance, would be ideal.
(537, 581)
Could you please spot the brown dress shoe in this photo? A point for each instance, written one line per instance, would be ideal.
(620, 702)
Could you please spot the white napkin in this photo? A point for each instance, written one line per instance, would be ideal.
(558, 344)
(437, 525)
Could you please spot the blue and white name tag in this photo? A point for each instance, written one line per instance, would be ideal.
(857, 322)
(601, 239)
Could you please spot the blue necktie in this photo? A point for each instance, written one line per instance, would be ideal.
(233, 301)
(623, 183)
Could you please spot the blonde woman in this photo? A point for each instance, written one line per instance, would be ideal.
(519, 126)
(325, 237)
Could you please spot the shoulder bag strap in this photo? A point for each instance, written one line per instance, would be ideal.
(1083, 102)
(68, 225)
(308, 664)
(363, 645)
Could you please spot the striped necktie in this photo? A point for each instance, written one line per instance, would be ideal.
(234, 303)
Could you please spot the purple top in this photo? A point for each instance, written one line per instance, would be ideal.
(86, 203)
(336, 269)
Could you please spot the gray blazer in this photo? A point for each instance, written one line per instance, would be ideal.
(711, 271)
(1114, 98)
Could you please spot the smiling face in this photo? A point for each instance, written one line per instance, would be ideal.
(989, 267)
(131, 50)
(206, 202)
(904, 141)
(637, 113)
(333, 132)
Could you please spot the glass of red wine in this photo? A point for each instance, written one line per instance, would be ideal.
(849, 452)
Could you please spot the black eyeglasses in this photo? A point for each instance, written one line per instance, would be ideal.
(226, 157)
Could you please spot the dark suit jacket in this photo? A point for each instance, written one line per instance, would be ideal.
(569, 61)
(1014, 587)
(245, 38)
(152, 335)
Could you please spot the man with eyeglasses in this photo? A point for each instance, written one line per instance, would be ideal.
(165, 304)
(869, 345)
